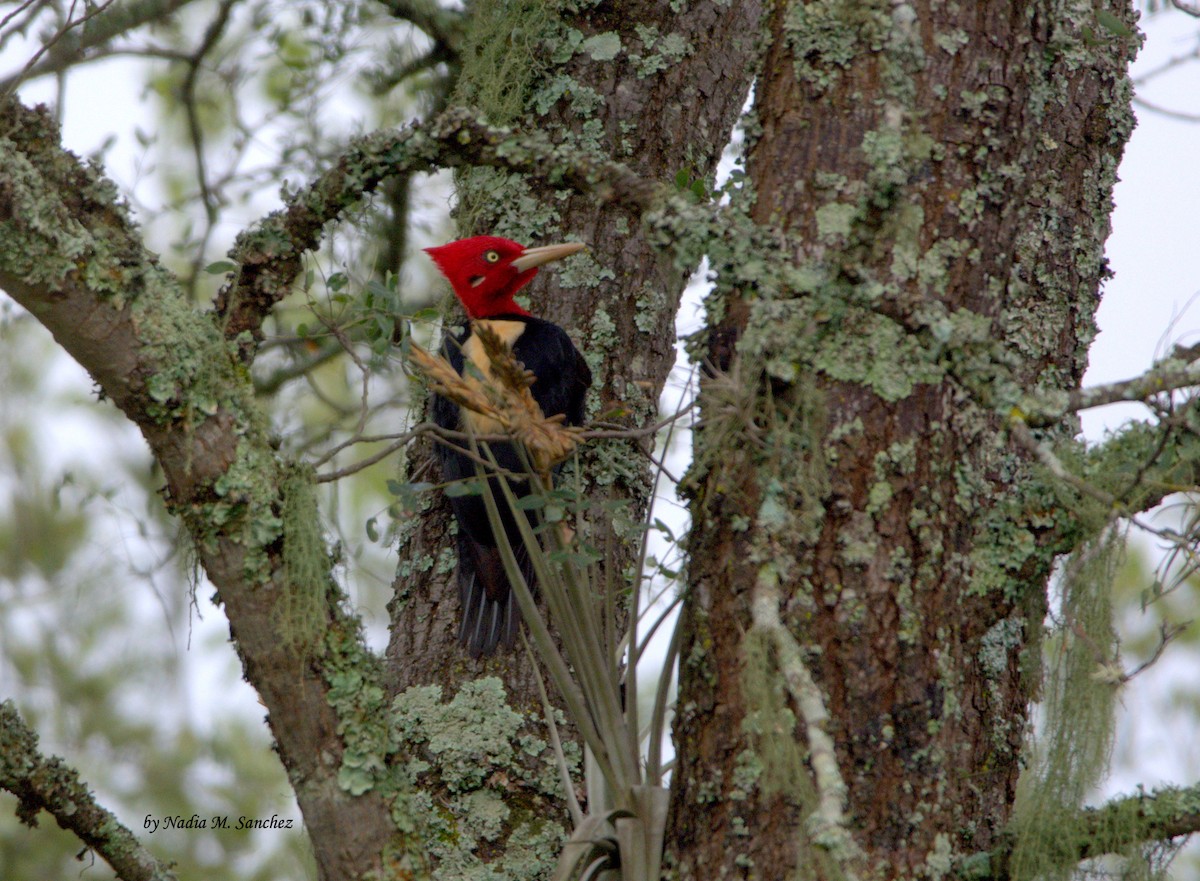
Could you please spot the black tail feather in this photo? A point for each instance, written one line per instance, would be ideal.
(490, 617)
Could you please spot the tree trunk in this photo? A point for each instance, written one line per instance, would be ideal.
(620, 308)
(658, 113)
(943, 173)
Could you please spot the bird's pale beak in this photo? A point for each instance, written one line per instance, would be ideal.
(532, 257)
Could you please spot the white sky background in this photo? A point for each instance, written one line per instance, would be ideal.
(1153, 251)
(1156, 234)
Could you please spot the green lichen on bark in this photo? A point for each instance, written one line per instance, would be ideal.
(826, 37)
(771, 726)
(507, 52)
(45, 239)
(180, 372)
(373, 749)
(504, 54)
(474, 749)
(899, 302)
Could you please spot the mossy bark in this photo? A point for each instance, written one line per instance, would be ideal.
(945, 171)
(620, 306)
(618, 303)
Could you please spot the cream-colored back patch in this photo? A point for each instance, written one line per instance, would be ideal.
(508, 331)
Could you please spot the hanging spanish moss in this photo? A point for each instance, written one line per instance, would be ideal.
(1071, 753)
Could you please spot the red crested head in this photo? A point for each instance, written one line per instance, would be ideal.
(487, 271)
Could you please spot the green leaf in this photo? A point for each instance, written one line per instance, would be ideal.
(530, 503)
(575, 559)
(467, 488)
(220, 267)
(372, 530)
(408, 493)
(1112, 24)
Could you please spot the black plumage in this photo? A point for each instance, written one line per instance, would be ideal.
(489, 614)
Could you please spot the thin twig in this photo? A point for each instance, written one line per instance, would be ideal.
(66, 28)
(1167, 633)
(120, 20)
(1165, 111)
(196, 132)
(1019, 430)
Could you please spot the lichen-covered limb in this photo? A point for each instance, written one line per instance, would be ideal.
(1113, 828)
(71, 256)
(1135, 468)
(268, 257)
(827, 826)
(1180, 371)
(1046, 455)
(1160, 815)
(47, 784)
(1143, 463)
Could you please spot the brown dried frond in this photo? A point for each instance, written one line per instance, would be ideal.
(508, 370)
(466, 391)
(506, 400)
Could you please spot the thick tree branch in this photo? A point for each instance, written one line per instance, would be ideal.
(47, 784)
(1180, 371)
(1116, 827)
(1157, 816)
(269, 257)
(71, 256)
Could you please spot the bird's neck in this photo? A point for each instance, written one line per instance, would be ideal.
(496, 309)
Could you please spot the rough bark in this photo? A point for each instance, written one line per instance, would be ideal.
(945, 172)
(621, 308)
(656, 117)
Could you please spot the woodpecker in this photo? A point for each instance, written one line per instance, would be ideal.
(485, 273)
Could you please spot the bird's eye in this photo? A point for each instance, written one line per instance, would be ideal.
(492, 256)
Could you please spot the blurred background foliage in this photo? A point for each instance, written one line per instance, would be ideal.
(109, 643)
